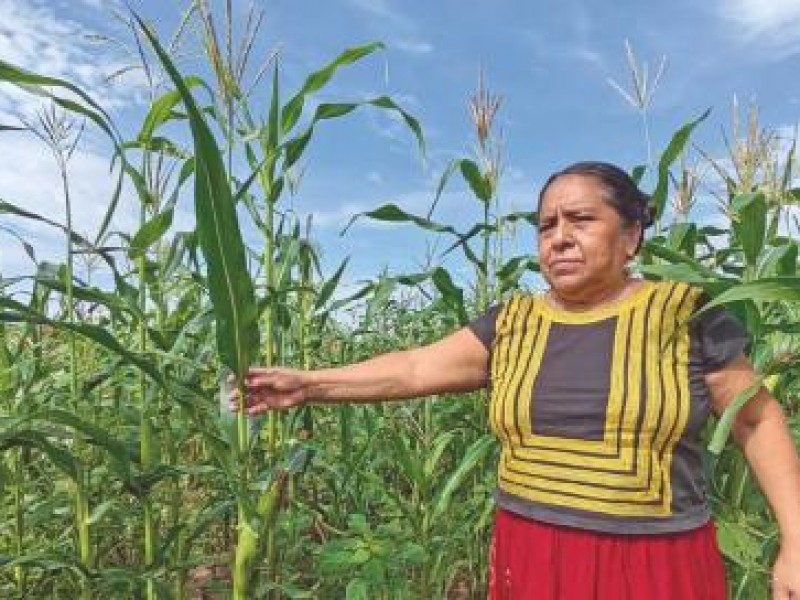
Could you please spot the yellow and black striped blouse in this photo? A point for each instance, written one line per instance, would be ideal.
(599, 413)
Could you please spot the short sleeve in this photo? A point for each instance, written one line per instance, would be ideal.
(722, 338)
(484, 326)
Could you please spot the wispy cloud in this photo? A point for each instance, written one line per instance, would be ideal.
(376, 178)
(29, 180)
(548, 46)
(404, 31)
(413, 47)
(379, 8)
(771, 24)
(34, 37)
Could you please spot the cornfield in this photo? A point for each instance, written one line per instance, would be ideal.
(124, 474)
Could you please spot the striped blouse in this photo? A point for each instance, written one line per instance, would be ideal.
(599, 413)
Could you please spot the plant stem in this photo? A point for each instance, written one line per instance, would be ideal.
(81, 499)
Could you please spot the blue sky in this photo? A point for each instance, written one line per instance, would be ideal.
(550, 62)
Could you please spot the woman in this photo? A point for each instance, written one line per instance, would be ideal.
(599, 391)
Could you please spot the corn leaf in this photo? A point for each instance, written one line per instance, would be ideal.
(452, 295)
(327, 289)
(394, 214)
(19, 313)
(672, 152)
(161, 110)
(229, 283)
(317, 80)
(774, 289)
(473, 456)
(750, 224)
(150, 232)
(479, 184)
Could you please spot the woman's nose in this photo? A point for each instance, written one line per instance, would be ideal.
(562, 233)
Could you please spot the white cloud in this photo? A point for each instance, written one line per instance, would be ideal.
(34, 37)
(547, 47)
(413, 46)
(403, 31)
(29, 180)
(378, 8)
(772, 24)
(375, 177)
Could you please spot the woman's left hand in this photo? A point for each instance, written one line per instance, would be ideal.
(786, 575)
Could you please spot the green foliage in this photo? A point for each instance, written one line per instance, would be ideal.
(179, 498)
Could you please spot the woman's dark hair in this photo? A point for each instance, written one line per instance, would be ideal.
(632, 204)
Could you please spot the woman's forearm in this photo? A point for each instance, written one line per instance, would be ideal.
(772, 455)
(385, 377)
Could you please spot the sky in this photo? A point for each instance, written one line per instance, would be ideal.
(550, 62)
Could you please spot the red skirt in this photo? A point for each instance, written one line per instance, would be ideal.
(531, 560)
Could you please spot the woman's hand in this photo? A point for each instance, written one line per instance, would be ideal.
(273, 388)
(786, 574)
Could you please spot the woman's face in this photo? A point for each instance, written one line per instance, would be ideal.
(583, 244)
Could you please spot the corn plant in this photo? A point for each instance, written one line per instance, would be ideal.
(752, 268)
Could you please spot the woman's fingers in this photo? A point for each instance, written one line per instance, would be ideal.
(263, 403)
(258, 402)
(269, 388)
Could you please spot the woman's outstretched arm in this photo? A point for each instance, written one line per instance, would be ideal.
(457, 363)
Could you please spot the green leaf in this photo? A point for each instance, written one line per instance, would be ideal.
(509, 274)
(94, 434)
(678, 272)
(149, 233)
(676, 256)
(161, 110)
(158, 145)
(20, 313)
(480, 186)
(357, 589)
(12, 209)
(317, 80)
(100, 511)
(736, 544)
(54, 278)
(672, 152)
(229, 283)
(295, 147)
(327, 289)
(780, 261)
(40, 85)
(331, 111)
(723, 429)
(750, 224)
(62, 459)
(473, 456)
(389, 104)
(683, 238)
(394, 214)
(34, 83)
(774, 289)
(452, 295)
(440, 444)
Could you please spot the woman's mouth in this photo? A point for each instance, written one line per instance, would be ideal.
(564, 264)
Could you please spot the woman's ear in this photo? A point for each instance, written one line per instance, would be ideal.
(632, 239)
